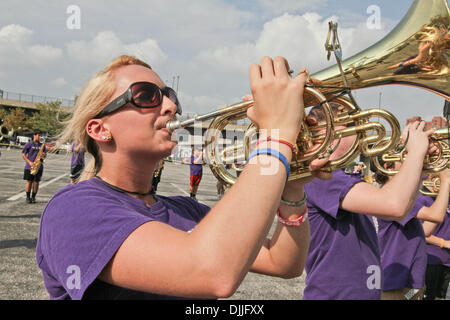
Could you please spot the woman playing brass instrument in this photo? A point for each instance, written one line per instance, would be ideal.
(108, 237)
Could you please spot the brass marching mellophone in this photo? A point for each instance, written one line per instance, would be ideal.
(415, 53)
(433, 163)
(430, 186)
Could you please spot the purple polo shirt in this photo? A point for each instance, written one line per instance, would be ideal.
(343, 260)
(195, 169)
(31, 150)
(403, 249)
(435, 254)
(77, 157)
(82, 227)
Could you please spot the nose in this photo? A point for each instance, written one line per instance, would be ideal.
(168, 107)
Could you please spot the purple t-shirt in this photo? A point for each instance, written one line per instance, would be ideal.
(77, 157)
(343, 260)
(437, 255)
(31, 150)
(82, 227)
(195, 169)
(403, 249)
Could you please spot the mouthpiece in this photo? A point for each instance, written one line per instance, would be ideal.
(173, 125)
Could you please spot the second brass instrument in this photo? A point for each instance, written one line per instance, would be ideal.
(431, 186)
(432, 163)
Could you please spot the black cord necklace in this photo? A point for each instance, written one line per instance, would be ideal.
(123, 190)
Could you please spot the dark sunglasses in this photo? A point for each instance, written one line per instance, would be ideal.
(145, 95)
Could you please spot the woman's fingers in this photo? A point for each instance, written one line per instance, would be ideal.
(267, 68)
(281, 68)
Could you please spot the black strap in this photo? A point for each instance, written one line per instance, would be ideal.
(123, 190)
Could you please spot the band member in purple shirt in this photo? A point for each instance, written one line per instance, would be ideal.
(438, 252)
(403, 246)
(344, 259)
(110, 237)
(29, 153)
(77, 163)
(195, 172)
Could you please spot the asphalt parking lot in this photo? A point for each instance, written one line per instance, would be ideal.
(20, 278)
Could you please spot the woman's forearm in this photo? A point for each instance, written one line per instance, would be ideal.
(404, 185)
(249, 206)
(284, 254)
(438, 242)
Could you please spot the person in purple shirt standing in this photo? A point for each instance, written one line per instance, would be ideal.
(438, 253)
(403, 247)
(77, 163)
(109, 237)
(29, 154)
(196, 172)
(344, 260)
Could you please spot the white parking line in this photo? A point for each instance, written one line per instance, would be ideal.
(22, 194)
(179, 188)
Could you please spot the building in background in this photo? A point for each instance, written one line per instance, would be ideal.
(436, 123)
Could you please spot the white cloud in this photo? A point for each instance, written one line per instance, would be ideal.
(299, 38)
(199, 103)
(280, 6)
(106, 45)
(16, 48)
(58, 82)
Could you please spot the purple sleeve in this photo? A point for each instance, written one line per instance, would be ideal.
(26, 148)
(93, 238)
(326, 195)
(421, 201)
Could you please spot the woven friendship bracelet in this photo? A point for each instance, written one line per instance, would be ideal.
(294, 204)
(293, 223)
(274, 153)
(292, 146)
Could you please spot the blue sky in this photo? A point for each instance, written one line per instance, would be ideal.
(209, 44)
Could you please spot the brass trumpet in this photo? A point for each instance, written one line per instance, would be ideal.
(396, 59)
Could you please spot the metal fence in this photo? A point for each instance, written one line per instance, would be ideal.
(7, 95)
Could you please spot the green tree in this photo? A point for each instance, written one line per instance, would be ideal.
(49, 118)
(15, 119)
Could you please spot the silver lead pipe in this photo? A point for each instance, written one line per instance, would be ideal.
(177, 124)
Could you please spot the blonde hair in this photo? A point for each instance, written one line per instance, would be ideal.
(92, 99)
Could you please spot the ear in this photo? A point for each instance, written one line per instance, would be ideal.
(98, 130)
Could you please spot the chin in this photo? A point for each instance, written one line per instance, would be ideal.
(166, 147)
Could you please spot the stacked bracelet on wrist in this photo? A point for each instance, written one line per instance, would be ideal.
(293, 223)
(294, 204)
(274, 153)
(292, 146)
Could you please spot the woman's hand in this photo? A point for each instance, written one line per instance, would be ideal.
(278, 98)
(418, 141)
